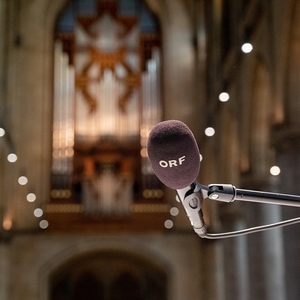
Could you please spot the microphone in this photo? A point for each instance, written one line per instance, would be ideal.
(175, 159)
(174, 154)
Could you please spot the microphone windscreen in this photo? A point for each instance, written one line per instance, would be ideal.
(174, 154)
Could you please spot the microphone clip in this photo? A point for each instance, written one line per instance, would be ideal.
(192, 198)
(221, 192)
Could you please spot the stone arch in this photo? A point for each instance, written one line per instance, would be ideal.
(131, 254)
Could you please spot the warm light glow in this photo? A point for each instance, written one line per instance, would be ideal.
(201, 157)
(2, 132)
(144, 152)
(209, 131)
(62, 193)
(275, 171)
(174, 211)
(169, 224)
(7, 224)
(38, 212)
(69, 152)
(247, 47)
(144, 132)
(22, 180)
(31, 197)
(44, 224)
(12, 157)
(223, 97)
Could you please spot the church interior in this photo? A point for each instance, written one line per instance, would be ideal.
(82, 83)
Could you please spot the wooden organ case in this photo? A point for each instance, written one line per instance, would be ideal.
(107, 97)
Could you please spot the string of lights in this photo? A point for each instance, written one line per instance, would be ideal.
(23, 181)
(210, 131)
(224, 97)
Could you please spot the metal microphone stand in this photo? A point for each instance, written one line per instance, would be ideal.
(193, 196)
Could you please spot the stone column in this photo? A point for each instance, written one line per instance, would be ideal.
(266, 249)
(288, 156)
(4, 270)
(273, 255)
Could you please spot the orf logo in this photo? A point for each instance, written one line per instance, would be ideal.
(172, 163)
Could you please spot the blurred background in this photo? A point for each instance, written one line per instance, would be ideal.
(82, 83)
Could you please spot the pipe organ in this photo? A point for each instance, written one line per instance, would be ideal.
(63, 123)
(107, 97)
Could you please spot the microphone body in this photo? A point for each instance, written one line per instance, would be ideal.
(175, 159)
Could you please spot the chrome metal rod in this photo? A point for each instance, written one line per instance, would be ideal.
(267, 197)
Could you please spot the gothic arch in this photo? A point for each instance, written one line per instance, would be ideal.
(135, 256)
